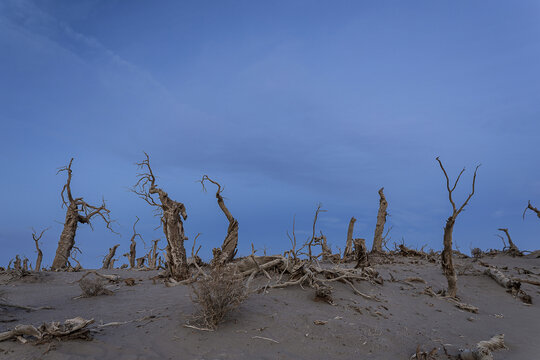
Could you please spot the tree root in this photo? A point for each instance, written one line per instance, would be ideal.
(71, 329)
(484, 349)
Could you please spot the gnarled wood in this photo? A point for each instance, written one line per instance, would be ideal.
(513, 249)
(532, 208)
(381, 220)
(229, 246)
(75, 206)
(172, 213)
(446, 255)
(133, 245)
(484, 349)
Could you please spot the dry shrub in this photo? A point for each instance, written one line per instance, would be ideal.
(93, 287)
(218, 294)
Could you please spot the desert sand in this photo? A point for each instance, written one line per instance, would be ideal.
(146, 321)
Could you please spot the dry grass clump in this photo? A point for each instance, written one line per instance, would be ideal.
(93, 287)
(218, 294)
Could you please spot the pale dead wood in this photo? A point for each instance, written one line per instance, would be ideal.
(484, 349)
(446, 255)
(74, 208)
(265, 338)
(229, 246)
(36, 238)
(513, 286)
(381, 220)
(70, 329)
(153, 255)
(172, 212)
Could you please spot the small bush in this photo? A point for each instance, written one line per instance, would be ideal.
(217, 295)
(93, 287)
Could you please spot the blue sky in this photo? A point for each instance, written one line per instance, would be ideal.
(286, 103)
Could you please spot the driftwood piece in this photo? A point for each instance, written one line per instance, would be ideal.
(381, 220)
(484, 349)
(513, 286)
(71, 328)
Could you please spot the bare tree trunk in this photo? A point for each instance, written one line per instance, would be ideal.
(25, 264)
(40, 254)
(140, 262)
(67, 238)
(75, 206)
(348, 253)
(108, 258)
(446, 258)
(132, 253)
(446, 255)
(172, 214)
(381, 220)
(229, 246)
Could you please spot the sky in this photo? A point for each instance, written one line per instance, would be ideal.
(286, 103)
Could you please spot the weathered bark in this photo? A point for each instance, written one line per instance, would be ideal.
(361, 254)
(152, 255)
(513, 249)
(446, 258)
(107, 261)
(348, 253)
(73, 217)
(140, 262)
(533, 209)
(446, 255)
(172, 214)
(381, 220)
(229, 246)
(40, 253)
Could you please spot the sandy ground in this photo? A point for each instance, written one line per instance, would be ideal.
(355, 328)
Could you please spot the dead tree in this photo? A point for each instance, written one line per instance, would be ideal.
(446, 255)
(107, 261)
(132, 247)
(512, 249)
(360, 253)
(381, 220)
(314, 239)
(75, 206)
(532, 208)
(172, 212)
(348, 253)
(40, 253)
(229, 246)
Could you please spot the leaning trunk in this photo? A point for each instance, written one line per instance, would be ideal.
(107, 261)
(446, 258)
(228, 248)
(67, 239)
(348, 253)
(381, 220)
(176, 253)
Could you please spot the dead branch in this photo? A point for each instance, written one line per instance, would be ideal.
(133, 245)
(532, 208)
(229, 246)
(381, 220)
(446, 255)
(513, 286)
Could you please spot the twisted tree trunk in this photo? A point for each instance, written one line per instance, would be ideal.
(67, 238)
(381, 220)
(107, 261)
